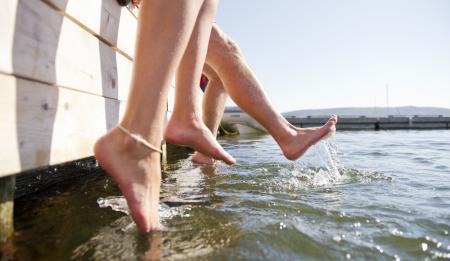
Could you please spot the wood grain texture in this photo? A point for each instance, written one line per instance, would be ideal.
(116, 25)
(41, 44)
(64, 77)
(48, 125)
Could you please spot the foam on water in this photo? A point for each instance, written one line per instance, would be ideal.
(119, 204)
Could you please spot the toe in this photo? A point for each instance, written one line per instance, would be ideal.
(334, 118)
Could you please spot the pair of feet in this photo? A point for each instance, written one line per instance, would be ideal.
(137, 170)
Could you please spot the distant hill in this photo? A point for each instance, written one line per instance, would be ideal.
(372, 112)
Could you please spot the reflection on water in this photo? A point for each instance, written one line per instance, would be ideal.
(362, 195)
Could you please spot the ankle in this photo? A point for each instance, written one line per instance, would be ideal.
(129, 146)
(285, 137)
(186, 117)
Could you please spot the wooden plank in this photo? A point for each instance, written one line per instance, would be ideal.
(46, 125)
(40, 44)
(7, 25)
(104, 18)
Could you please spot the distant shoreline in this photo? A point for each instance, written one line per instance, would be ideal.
(407, 111)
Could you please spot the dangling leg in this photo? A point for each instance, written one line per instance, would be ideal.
(186, 126)
(214, 101)
(241, 84)
(134, 167)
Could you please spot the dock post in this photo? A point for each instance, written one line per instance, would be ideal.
(7, 186)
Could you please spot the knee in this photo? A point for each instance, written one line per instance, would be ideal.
(232, 47)
(222, 45)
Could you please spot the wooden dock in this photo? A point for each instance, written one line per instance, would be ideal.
(65, 70)
(377, 123)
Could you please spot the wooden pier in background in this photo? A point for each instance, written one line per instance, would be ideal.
(377, 123)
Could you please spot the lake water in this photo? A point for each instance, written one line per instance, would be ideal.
(361, 195)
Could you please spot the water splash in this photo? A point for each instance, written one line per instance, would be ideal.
(328, 172)
(119, 204)
(327, 152)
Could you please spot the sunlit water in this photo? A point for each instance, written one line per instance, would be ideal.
(360, 195)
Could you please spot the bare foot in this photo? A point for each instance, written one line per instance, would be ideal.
(137, 171)
(303, 138)
(196, 135)
(200, 158)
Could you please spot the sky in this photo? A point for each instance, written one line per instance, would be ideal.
(311, 54)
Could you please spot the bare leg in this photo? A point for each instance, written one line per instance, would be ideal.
(214, 101)
(136, 169)
(241, 84)
(185, 126)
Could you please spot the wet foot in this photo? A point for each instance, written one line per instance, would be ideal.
(137, 171)
(196, 135)
(200, 158)
(303, 138)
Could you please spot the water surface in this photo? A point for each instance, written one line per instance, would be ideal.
(361, 195)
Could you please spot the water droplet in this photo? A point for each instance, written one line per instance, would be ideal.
(357, 224)
(396, 258)
(439, 244)
(367, 221)
(282, 226)
(377, 220)
(396, 232)
(337, 238)
(100, 201)
(348, 256)
(445, 232)
(424, 247)
(379, 249)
